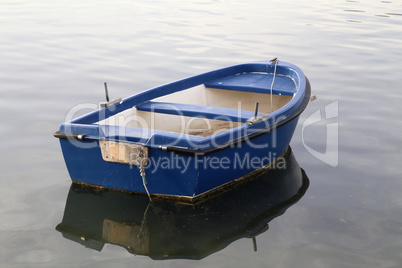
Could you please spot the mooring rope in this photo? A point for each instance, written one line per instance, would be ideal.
(142, 173)
(273, 61)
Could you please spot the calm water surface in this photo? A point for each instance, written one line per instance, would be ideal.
(57, 54)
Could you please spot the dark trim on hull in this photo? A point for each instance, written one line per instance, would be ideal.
(64, 135)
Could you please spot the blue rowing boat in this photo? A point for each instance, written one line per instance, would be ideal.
(191, 138)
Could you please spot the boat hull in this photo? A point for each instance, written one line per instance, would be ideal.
(174, 174)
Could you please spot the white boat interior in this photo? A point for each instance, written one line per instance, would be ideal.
(201, 98)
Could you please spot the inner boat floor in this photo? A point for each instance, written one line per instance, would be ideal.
(198, 111)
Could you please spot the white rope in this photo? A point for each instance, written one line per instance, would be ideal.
(142, 172)
(144, 182)
(273, 80)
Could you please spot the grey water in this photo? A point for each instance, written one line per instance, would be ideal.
(55, 56)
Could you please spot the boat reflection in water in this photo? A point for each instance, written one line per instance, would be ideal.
(167, 230)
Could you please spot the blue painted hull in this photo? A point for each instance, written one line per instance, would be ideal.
(175, 174)
(191, 167)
